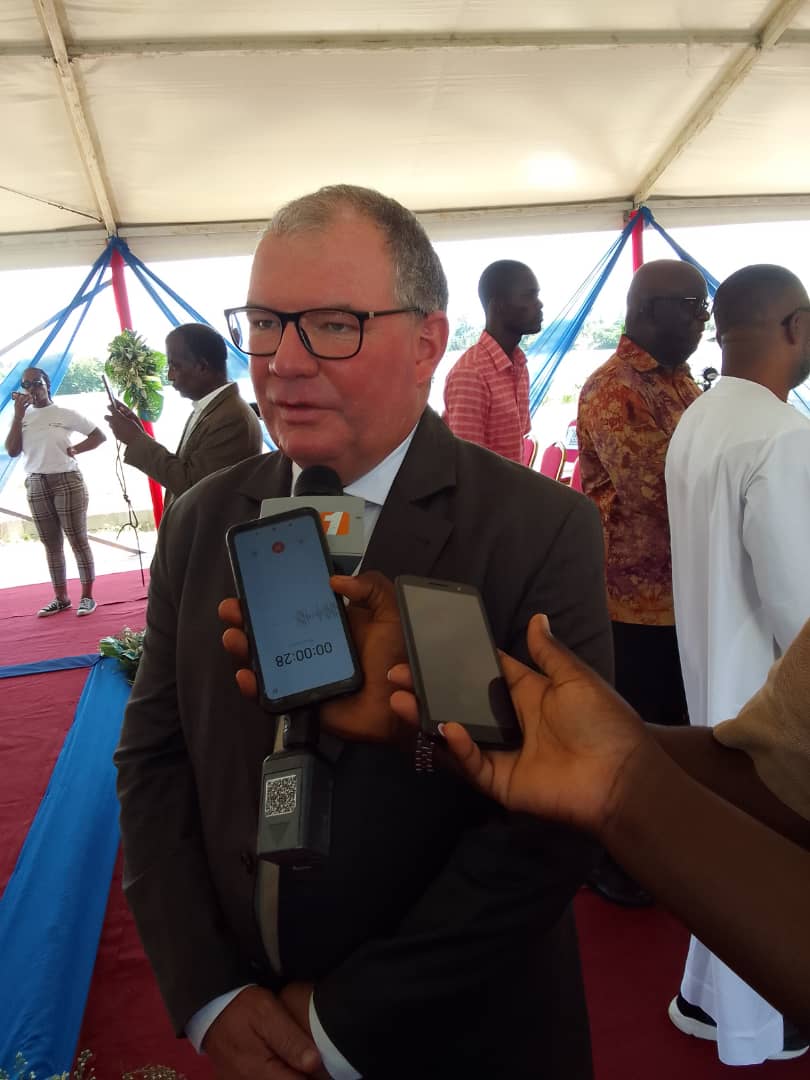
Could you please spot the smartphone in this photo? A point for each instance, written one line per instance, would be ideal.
(456, 669)
(108, 388)
(299, 635)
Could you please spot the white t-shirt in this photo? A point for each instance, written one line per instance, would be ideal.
(46, 437)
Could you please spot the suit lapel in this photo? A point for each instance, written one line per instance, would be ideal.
(411, 532)
(206, 414)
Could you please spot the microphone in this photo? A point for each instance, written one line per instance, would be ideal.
(300, 837)
(342, 516)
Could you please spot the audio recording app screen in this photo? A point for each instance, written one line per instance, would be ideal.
(293, 612)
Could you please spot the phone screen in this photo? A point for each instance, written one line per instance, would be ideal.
(457, 673)
(298, 627)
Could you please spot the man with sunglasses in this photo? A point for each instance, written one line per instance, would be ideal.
(57, 493)
(437, 940)
(738, 485)
(628, 410)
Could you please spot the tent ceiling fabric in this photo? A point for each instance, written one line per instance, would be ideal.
(483, 116)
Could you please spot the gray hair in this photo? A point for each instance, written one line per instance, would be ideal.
(419, 279)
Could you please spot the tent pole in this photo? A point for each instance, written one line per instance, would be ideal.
(637, 237)
(125, 318)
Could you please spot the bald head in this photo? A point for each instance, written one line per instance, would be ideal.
(664, 278)
(666, 310)
(758, 296)
(762, 314)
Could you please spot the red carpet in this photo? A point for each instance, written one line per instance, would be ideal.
(632, 959)
(37, 711)
(121, 600)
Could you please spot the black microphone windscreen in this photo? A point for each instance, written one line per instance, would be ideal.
(318, 480)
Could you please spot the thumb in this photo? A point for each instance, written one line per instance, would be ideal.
(371, 590)
(550, 656)
(467, 754)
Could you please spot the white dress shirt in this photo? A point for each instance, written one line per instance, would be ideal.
(196, 412)
(373, 488)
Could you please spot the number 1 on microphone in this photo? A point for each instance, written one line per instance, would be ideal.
(335, 522)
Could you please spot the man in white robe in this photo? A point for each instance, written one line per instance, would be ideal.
(738, 492)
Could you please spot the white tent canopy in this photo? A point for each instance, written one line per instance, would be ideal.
(183, 125)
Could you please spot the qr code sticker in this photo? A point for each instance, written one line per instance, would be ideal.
(280, 795)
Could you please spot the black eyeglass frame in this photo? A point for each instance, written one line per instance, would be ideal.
(699, 305)
(29, 384)
(790, 314)
(295, 317)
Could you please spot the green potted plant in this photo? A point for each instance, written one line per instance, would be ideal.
(127, 649)
(136, 372)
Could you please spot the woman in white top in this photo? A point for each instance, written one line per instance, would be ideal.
(56, 490)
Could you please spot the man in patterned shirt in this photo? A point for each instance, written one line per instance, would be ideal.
(486, 396)
(628, 410)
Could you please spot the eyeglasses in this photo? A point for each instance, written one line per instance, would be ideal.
(783, 322)
(696, 306)
(29, 384)
(328, 333)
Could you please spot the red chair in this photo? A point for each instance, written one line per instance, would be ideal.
(552, 461)
(576, 477)
(529, 451)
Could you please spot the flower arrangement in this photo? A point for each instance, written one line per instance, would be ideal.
(135, 371)
(83, 1070)
(127, 649)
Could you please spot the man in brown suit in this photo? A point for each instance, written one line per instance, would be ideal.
(221, 430)
(437, 940)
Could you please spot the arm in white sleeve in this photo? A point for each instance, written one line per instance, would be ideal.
(333, 1061)
(201, 1021)
(776, 524)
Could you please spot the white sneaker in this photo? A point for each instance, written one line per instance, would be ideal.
(692, 1020)
(87, 606)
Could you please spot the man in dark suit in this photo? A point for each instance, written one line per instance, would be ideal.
(221, 430)
(437, 940)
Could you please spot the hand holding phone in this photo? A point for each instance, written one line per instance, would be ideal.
(110, 394)
(300, 643)
(455, 665)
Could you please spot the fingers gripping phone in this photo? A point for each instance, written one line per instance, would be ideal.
(456, 670)
(299, 635)
(108, 388)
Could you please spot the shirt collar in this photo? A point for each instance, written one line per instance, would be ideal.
(640, 359)
(500, 361)
(375, 485)
(201, 403)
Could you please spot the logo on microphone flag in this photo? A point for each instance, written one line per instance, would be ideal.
(336, 522)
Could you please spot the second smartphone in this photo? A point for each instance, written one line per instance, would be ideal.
(456, 670)
(299, 635)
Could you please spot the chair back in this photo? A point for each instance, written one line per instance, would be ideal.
(529, 451)
(576, 476)
(552, 461)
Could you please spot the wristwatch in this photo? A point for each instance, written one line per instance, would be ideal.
(424, 753)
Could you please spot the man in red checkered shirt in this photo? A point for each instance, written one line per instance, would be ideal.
(486, 396)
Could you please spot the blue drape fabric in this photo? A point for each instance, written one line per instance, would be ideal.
(53, 908)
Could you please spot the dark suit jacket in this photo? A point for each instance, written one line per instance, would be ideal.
(439, 934)
(227, 432)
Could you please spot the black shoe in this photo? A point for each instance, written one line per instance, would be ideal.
(612, 883)
(794, 1044)
(692, 1020)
